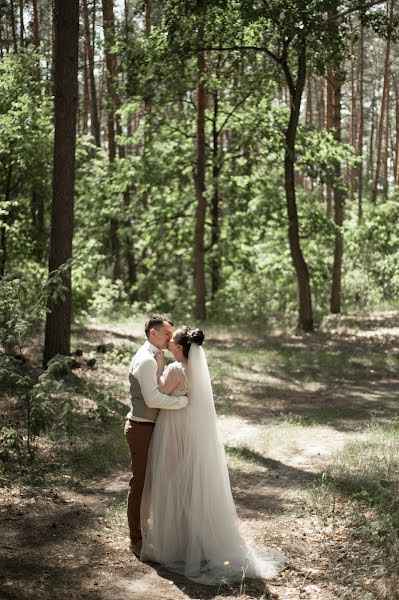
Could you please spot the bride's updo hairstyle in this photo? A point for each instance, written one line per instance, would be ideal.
(184, 336)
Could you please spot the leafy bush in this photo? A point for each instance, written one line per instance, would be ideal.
(20, 314)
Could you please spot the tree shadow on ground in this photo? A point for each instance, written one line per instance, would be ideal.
(252, 588)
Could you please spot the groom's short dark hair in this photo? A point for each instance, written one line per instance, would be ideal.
(156, 322)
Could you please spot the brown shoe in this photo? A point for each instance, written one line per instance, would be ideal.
(136, 548)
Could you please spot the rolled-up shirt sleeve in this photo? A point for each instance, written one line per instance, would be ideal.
(146, 374)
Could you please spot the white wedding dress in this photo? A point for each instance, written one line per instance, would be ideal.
(189, 520)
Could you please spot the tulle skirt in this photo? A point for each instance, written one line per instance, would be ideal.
(189, 520)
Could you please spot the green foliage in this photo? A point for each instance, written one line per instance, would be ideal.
(25, 158)
(107, 294)
(22, 308)
(371, 275)
(10, 441)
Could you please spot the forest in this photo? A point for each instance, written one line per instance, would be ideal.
(234, 160)
(235, 165)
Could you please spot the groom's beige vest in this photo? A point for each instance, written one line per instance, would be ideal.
(139, 407)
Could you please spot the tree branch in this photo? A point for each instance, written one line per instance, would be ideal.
(354, 9)
(238, 48)
(219, 131)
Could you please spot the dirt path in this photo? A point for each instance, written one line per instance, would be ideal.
(69, 541)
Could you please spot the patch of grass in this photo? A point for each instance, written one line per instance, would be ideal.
(321, 415)
(116, 513)
(367, 471)
(241, 453)
(100, 453)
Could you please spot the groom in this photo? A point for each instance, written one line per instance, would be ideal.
(146, 402)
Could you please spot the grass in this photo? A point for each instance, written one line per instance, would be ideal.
(367, 472)
(99, 454)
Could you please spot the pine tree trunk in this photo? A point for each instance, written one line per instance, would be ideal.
(36, 37)
(360, 134)
(1, 39)
(110, 61)
(300, 266)
(147, 17)
(337, 80)
(215, 232)
(94, 121)
(386, 147)
(329, 125)
(353, 121)
(58, 322)
(199, 249)
(396, 156)
(128, 238)
(370, 162)
(21, 23)
(13, 27)
(37, 199)
(86, 93)
(384, 99)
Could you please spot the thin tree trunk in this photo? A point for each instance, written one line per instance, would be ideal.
(58, 321)
(129, 241)
(215, 232)
(21, 23)
(36, 37)
(147, 17)
(309, 119)
(360, 134)
(386, 147)
(37, 198)
(329, 125)
(110, 61)
(378, 166)
(199, 249)
(53, 45)
(86, 93)
(94, 121)
(337, 82)
(353, 121)
(372, 132)
(13, 27)
(300, 266)
(1, 39)
(396, 157)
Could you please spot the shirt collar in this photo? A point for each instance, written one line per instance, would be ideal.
(153, 348)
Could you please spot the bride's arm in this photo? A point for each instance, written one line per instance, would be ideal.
(169, 379)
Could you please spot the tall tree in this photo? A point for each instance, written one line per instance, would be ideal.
(58, 321)
(383, 109)
(94, 120)
(21, 23)
(36, 36)
(337, 78)
(199, 242)
(13, 26)
(360, 135)
(111, 66)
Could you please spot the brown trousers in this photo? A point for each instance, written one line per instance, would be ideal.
(138, 436)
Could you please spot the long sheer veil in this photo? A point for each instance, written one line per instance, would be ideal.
(191, 525)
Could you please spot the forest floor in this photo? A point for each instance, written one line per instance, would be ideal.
(288, 404)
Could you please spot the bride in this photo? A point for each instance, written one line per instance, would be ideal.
(189, 520)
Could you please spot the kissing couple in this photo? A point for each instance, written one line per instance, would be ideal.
(180, 509)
